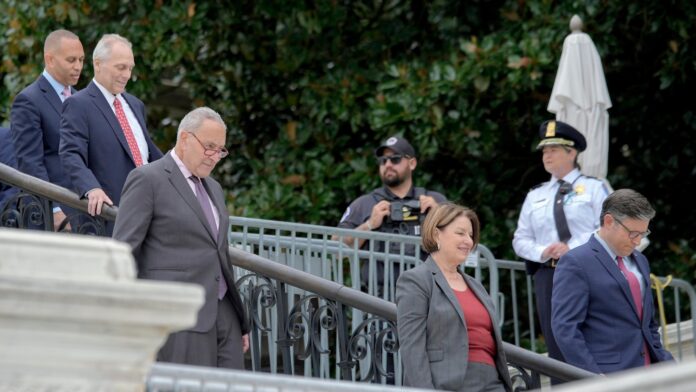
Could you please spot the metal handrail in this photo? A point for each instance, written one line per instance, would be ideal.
(370, 304)
(326, 288)
(50, 191)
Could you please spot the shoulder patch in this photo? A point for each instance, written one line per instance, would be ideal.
(345, 215)
(604, 183)
(536, 186)
(592, 177)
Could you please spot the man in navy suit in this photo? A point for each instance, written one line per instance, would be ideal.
(103, 135)
(7, 157)
(602, 308)
(36, 111)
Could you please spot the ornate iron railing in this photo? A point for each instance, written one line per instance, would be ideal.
(32, 207)
(302, 320)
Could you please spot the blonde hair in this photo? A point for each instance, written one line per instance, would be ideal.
(440, 217)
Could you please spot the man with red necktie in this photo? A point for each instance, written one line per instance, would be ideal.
(103, 132)
(602, 312)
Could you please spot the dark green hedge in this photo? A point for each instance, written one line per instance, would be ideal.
(309, 88)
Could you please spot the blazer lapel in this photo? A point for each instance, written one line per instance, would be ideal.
(182, 187)
(642, 264)
(110, 117)
(138, 115)
(50, 94)
(220, 208)
(613, 269)
(441, 282)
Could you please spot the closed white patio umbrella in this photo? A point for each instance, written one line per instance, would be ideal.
(580, 98)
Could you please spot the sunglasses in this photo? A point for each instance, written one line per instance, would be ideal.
(394, 159)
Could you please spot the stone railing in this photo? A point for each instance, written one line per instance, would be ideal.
(73, 317)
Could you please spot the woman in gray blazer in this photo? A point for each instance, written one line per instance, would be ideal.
(448, 332)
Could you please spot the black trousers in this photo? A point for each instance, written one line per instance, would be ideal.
(543, 286)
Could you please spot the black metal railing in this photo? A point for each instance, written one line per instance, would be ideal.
(300, 321)
(32, 207)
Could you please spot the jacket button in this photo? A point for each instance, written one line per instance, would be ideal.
(217, 278)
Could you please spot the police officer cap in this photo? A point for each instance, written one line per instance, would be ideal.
(558, 133)
(397, 144)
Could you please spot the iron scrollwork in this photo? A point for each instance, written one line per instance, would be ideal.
(259, 295)
(312, 314)
(524, 380)
(28, 211)
(373, 343)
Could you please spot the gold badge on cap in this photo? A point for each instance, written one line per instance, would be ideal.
(551, 129)
(579, 189)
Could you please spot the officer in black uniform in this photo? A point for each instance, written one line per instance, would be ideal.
(396, 207)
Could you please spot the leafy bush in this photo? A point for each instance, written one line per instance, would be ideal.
(310, 88)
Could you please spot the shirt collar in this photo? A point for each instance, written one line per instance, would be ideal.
(409, 195)
(107, 94)
(605, 246)
(569, 178)
(54, 83)
(184, 170)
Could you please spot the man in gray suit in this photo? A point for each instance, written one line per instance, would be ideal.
(174, 217)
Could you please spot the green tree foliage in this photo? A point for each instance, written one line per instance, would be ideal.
(310, 88)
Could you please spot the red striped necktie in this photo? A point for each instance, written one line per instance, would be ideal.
(635, 293)
(128, 132)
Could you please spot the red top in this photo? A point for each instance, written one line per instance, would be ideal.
(479, 327)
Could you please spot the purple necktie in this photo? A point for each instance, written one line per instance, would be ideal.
(635, 293)
(203, 200)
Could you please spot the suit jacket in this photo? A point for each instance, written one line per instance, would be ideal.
(35, 131)
(430, 320)
(7, 157)
(594, 318)
(161, 219)
(93, 148)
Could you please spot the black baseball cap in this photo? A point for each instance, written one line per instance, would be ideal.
(397, 144)
(558, 133)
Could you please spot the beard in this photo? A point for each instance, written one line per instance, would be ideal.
(393, 179)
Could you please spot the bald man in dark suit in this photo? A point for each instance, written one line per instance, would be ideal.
(7, 157)
(36, 112)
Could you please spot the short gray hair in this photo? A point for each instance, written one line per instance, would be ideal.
(52, 41)
(627, 204)
(194, 119)
(102, 51)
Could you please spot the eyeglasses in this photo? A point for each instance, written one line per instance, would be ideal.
(394, 159)
(210, 150)
(634, 234)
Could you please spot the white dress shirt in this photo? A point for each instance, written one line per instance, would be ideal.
(536, 227)
(628, 262)
(130, 116)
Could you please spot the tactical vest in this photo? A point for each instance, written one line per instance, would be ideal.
(403, 227)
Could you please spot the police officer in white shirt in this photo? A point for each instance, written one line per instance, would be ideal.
(557, 215)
